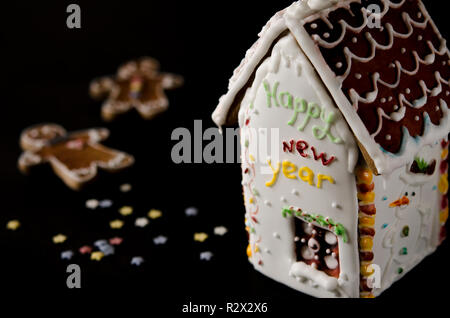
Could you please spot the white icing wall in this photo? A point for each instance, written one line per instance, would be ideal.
(421, 215)
(272, 242)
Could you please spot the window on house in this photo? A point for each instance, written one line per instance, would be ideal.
(317, 247)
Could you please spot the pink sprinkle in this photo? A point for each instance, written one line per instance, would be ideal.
(85, 249)
(116, 241)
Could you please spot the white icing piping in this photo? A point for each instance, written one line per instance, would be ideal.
(302, 271)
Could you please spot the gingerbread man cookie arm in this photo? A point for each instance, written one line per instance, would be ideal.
(27, 160)
(171, 81)
(101, 87)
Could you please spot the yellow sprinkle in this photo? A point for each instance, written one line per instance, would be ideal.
(251, 200)
(252, 158)
(97, 256)
(443, 216)
(256, 248)
(443, 184)
(370, 295)
(444, 154)
(126, 210)
(60, 238)
(13, 225)
(116, 224)
(200, 237)
(154, 214)
(367, 197)
(366, 221)
(366, 243)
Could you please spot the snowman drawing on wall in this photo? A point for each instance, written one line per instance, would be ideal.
(410, 236)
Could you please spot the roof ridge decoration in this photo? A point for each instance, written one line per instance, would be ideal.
(390, 83)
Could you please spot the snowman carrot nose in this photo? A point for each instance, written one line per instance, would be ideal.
(402, 201)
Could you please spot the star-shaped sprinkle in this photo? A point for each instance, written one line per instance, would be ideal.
(60, 238)
(141, 222)
(126, 210)
(99, 243)
(160, 240)
(200, 237)
(92, 204)
(107, 249)
(105, 203)
(97, 256)
(191, 211)
(220, 230)
(126, 187)
(13, 225)
(206, 256)
(137, 261)
(154, 214)
(116, 224)
(67, 255)
(115, 240)
(86, 249)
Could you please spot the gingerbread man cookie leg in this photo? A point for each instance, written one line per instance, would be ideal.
(138, 84)
(75, 157)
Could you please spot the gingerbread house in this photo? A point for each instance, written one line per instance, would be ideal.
(354, 95)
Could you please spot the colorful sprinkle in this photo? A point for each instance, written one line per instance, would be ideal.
(191, 211)
(13, 225)
(137, 261)
(60, 238)
(116, 224)
(141, 222)
(85, 249)
(92, 204)
(97, 256)
(105, 204)
(220, 230)
(67, 255)
(115, 240)
(160, 240)
(126, 210)
(200, 237)
(154, 214)
(126, 187)
(206, 256)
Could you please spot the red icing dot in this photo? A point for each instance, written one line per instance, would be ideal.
(247, 122)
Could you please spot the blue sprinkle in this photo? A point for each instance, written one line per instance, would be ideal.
(384, 226)
(434, 187)
(384, 198)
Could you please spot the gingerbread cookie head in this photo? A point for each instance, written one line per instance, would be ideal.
(75, 157)
(36, 137)
(138, 84)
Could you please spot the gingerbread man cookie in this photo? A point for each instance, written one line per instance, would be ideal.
(75, 157)
(138, 84)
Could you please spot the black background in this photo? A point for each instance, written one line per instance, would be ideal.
(45, 72)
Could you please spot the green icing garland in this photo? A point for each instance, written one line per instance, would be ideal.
(337, 228)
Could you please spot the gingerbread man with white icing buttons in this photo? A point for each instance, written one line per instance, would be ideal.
(138, 84)
(75, 157)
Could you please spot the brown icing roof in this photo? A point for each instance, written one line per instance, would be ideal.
(395, 77)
